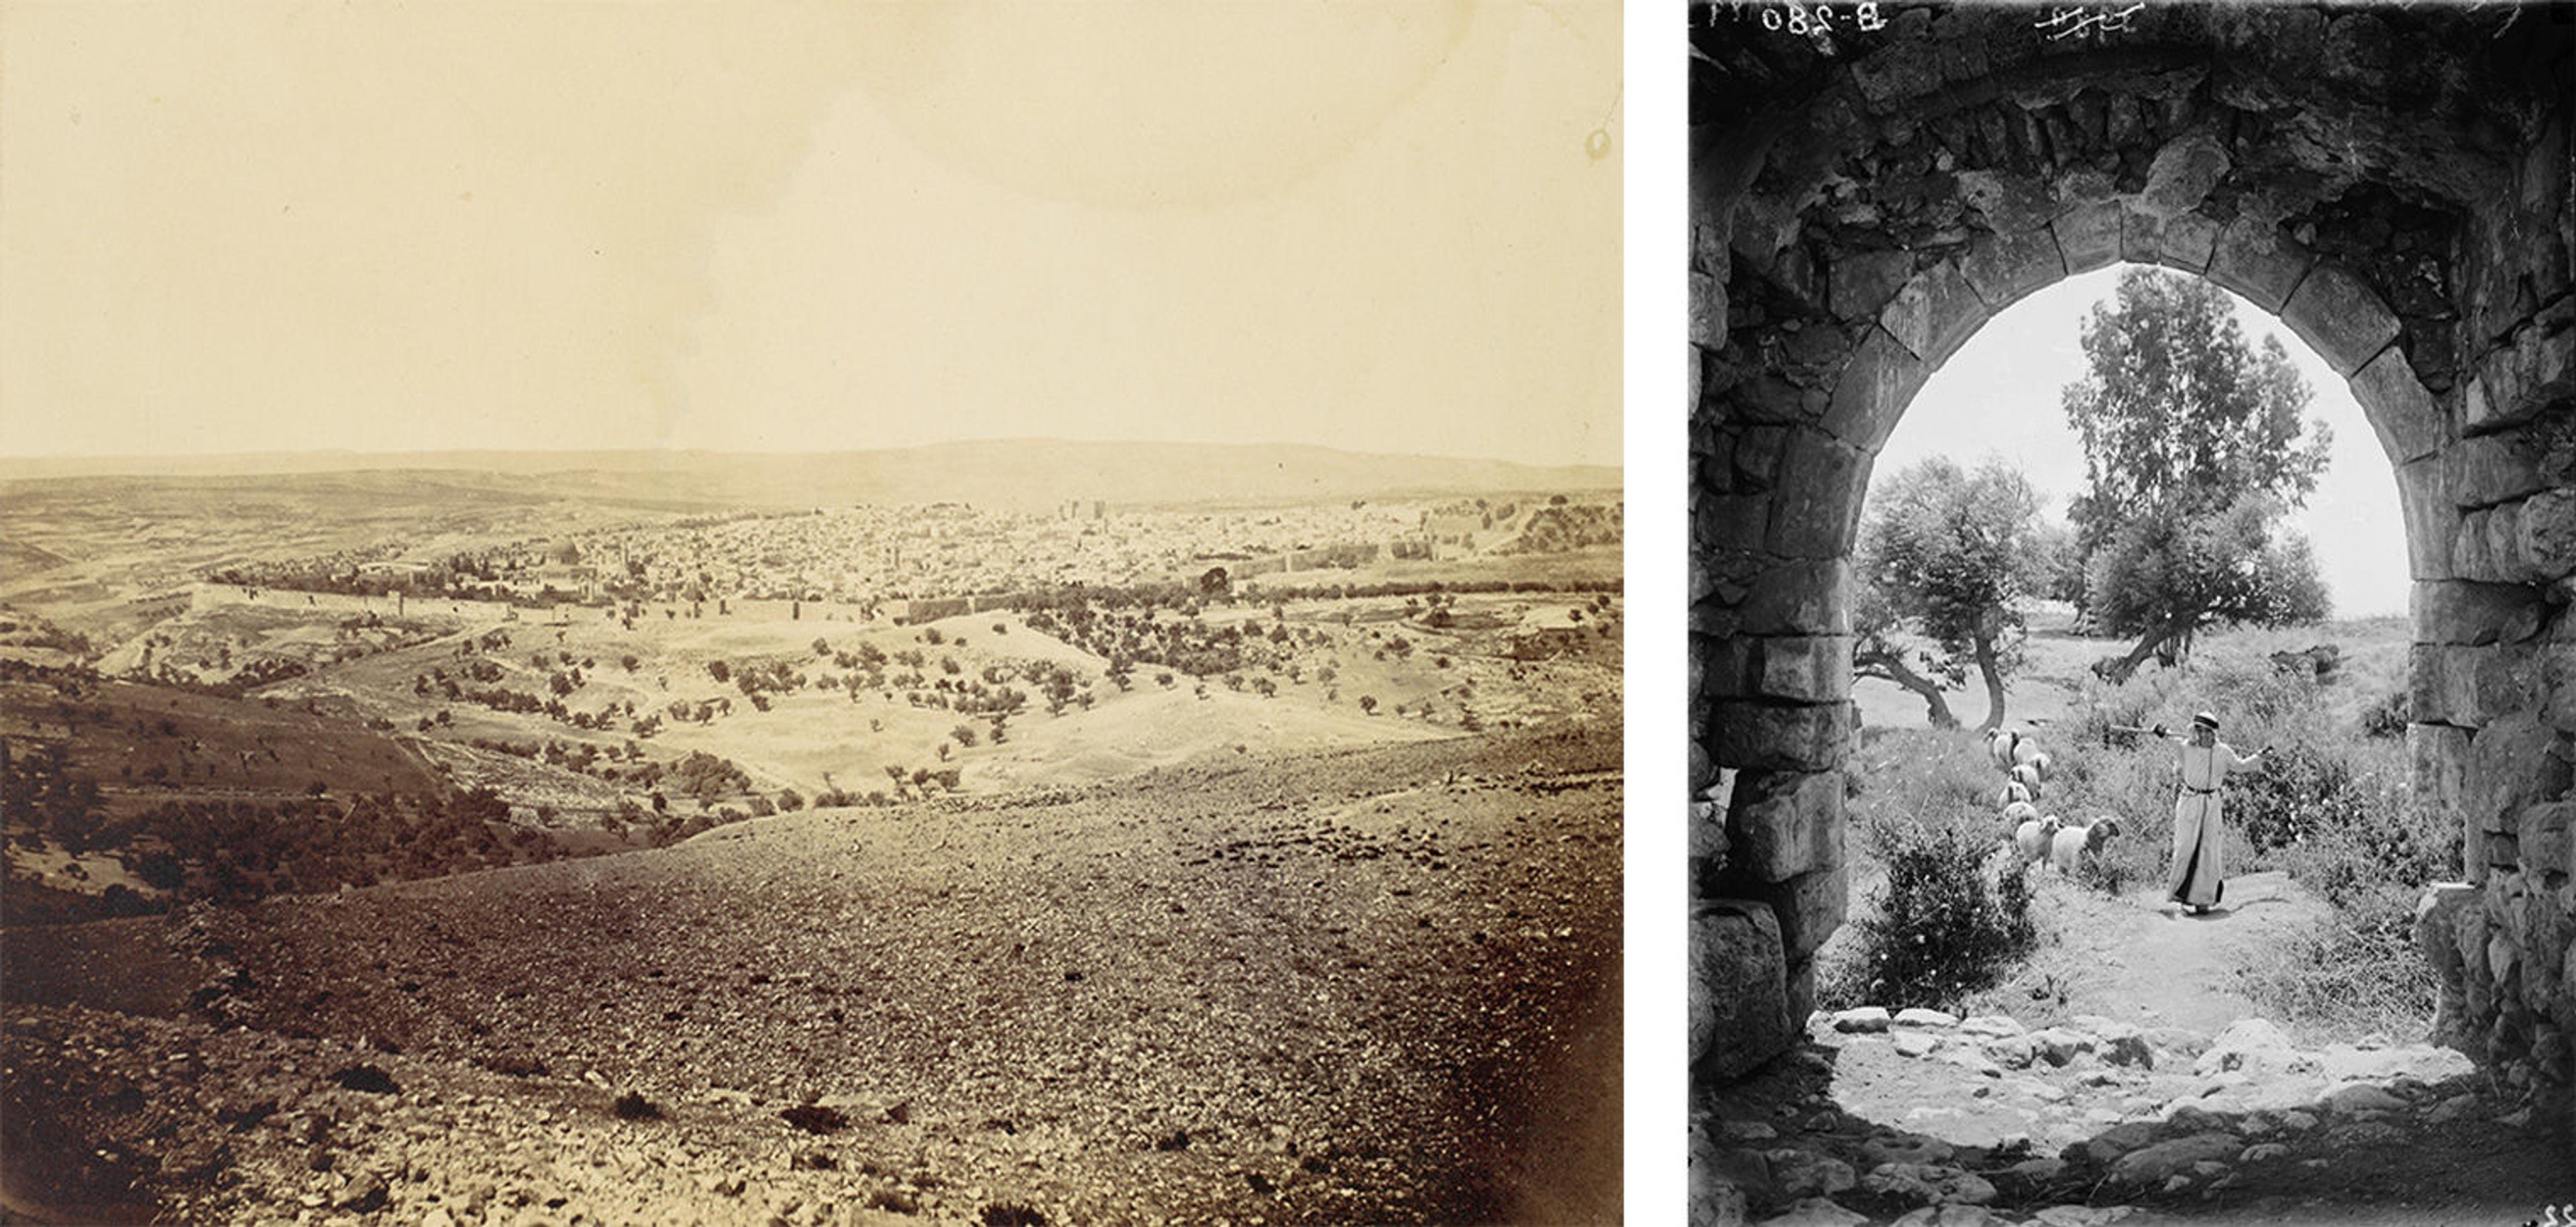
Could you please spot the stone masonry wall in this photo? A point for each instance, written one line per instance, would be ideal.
(2394, 185)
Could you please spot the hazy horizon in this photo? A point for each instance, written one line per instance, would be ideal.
(7, 459)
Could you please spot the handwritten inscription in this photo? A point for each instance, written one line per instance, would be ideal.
(2083, 22)
(1805, 20)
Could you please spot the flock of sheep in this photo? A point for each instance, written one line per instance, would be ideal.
(2027, 767)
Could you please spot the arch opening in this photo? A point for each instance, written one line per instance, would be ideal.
(1860, 210)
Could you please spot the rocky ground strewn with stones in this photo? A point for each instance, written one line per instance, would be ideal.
(1922, 1118)
(1376, 986)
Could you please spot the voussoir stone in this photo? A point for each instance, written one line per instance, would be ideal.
(2340, 317)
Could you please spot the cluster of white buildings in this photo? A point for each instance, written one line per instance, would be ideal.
(946, 550)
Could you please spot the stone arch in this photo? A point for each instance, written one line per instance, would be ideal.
(2393, 184)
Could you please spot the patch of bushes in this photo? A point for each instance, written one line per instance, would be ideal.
(815, 1118)
(1942, 928)
(633, 1106)
(2389, 716)
(366, 1078)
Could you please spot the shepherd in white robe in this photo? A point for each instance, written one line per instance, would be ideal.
(2197, 878)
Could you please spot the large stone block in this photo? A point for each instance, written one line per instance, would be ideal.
(1739, 1014)
(2004, 267)
(2545, 534)
(1816, 511)
(1726, 666)
(2543, 936)
(1780, 736)
(2182, 175)
(1860, 283)
(1798, 596)
(2490, 469)
(1785, 823)
(2466, 613)
(2438, 918)
(2470, 686)
(1707, 311)
(2543, 830)
(1810, 907)
(2341, 318)
(1730, 522)
(2503, 525)
(1935, 313)
(1876, 386)
(2471, 556)
(2537, 366)
(1810, 668)
(2011, 203)
(2558, 687)
(2399, 408)
(2254, 259)
(2183, 241)
(2432, 519)
(2439, 754)
(2515, 762)
(2089, 237)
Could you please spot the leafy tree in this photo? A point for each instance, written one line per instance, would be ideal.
(2196, 443)
(1948, 554)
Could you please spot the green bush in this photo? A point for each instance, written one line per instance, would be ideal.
(1941, 928)
(2389, 716)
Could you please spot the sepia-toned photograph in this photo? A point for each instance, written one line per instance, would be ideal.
(2132, 509)
(996, 613)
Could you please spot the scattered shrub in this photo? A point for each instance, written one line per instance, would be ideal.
(513, 1065)
(815, 1118)
(1012, 1214)
(632, 1106)
(1942, 928)
(367, 1078)
(2389, 716)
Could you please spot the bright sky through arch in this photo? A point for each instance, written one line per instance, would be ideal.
(2000, 393)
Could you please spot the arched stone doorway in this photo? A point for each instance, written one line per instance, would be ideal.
(2394, 184)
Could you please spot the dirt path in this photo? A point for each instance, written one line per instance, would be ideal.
(2142, 960)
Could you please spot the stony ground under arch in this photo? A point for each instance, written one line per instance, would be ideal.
(2159, 1098)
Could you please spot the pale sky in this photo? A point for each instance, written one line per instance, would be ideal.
(283, 227)
(1999, 394)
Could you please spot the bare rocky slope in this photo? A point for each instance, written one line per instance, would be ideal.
(1368, 986)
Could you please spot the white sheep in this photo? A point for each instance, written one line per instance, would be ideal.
(2069, 842)
(2001, 745)
(2034, 836)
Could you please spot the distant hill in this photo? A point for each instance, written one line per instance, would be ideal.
(1018, 473)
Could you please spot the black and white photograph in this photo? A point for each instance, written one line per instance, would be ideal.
(2131, 529)
(653, 613)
